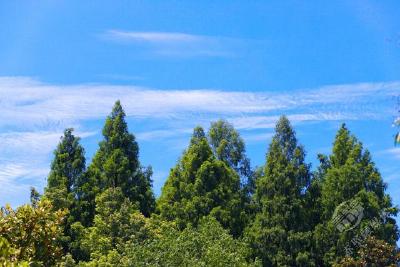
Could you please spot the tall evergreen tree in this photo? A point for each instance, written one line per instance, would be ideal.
(313, 205)
(116, 163)
(229, 147)
(351, 177)
(278, 234)
(65, 175)
(200, 185)
(66, 169)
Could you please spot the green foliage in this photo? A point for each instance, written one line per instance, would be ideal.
(313, 200)
(283, 215)
(108, 240)
(116, 163)
(117, 221)
(350, 175)
(229, 147)
(201, 185)
(35, 196)
(67, 261)
(279, 233)
(7, 255)
(32, 234)
(64, 182)
(374, 253)
(66, 169)
(207, 245)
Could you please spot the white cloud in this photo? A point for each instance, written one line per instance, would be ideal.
(154, 37)
(268, 122)
(34, 114)
(161, 134)
(175, 44)
(17, 175)
(29, 102)
(257, 137)
(40, 142)
(24, 161)
(395, 152)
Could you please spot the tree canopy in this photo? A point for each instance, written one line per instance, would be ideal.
(278, 234)
(202, 185)
(214, 209)
(116, 163)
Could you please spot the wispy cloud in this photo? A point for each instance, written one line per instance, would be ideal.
(28, 102)
(394, 152)
(175, 44)
(161, 134)
(33, 115)
(154, 37)
(268, 122)
(25, 161)
(257, 137)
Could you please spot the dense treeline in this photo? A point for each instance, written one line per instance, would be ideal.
(214, 209)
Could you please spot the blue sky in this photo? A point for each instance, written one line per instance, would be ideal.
(178, 64)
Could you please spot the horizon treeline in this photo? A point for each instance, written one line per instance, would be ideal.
(214, 209)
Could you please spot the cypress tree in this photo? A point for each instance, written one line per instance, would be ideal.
(279, 235)
(229, 147)
(66, 172)
(200, 185)
(116, 163)
(351, 177)
(66, 168)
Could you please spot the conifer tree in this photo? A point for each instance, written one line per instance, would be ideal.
(229, 147)
(200, 185)
(117, 221)
(66, 172)
(278, 234)
(66, 169)
(116, 163)
(313, 205)
(351, 177)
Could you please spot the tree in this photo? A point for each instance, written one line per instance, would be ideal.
(351, 177)
(117, 221)
(34, 197)
(7, 255)
(279, 235)
(66, 169)
(313, 194)
(116, 163)
(206, 245)
(230, 148)
(32, 233)
(200, 185)
(374, 253)
(64, 184)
